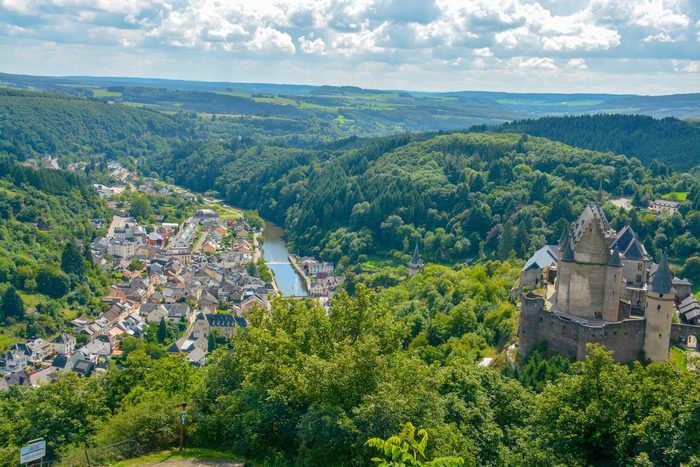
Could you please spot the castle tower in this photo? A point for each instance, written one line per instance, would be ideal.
(659, 313)
(614, 288)
(416, 264)
(589, 279)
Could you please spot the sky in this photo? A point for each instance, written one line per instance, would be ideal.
(617, 46)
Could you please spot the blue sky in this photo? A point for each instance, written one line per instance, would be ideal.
(636, 46)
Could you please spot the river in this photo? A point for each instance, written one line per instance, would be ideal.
(276, 257)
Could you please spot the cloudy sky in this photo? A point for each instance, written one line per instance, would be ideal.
(640, 46)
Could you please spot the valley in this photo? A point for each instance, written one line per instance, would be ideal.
(153, 251)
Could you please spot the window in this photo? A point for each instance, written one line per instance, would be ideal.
(658, 307)
(639, 266)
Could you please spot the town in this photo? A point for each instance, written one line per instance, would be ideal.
(190, 283)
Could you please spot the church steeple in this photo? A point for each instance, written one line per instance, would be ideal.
(416, 255)
(416, 265)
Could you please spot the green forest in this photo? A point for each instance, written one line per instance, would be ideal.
(671, 141)
(306, 387)
(44, 227)
(460, 196)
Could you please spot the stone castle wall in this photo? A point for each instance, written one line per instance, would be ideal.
(680, 334)
(567, 337)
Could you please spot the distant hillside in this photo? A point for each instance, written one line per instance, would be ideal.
(37, 123)
(351, 110)
(671, 141)
(460, 195)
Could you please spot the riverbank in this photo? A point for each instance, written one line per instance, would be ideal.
(297, 267)
(276, 255)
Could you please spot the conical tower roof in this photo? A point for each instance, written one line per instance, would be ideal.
(615, 259)
(663, 279)
(416, 255)
(567, 249)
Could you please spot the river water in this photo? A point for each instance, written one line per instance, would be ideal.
(276, 257)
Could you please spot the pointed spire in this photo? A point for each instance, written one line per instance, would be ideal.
(663, 279)
(416, 255)
(615, 259)
(600, 192)
(568, 252)
(562, 238)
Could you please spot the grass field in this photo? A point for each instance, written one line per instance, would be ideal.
(676, 196)
(677, 358)
(104, 93)
(193, 455)
(278, 100)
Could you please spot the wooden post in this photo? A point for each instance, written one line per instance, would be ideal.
(183, 415)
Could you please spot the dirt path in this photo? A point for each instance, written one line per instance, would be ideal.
(194, 463)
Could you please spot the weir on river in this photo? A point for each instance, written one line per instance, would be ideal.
(276, 257)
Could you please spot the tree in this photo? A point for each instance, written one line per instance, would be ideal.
(52, 282)
(405, 449)
(252, 269)
(691, 269)
(135, 265)
(162, 332)
(506, 242)
(141, 207)
(12, 304)
(72, 260)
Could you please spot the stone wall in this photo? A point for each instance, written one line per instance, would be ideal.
(528, 334)
(680, 334)
(567, 337)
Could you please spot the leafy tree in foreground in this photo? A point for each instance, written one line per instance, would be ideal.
(406, 449)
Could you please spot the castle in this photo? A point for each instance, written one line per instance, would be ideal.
(599, 286)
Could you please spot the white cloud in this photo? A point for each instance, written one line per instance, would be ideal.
(576, 64)
(686, 66)
(483, 52)
(271, 40)
(542, 63)
(659, 37)
(312, 46)
(414, 34)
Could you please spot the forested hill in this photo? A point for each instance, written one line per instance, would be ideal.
(669, 140)
(44, 214)
(36, 123)
(463, 195)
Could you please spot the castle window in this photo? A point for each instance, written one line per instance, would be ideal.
(614, 333)
(541, 319)
(659, 336)
(639, 266)
(658, 307)
(661, 295)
